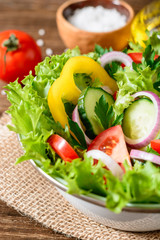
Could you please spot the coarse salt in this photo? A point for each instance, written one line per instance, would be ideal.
(97, 19)
(40, 42)
(41, 32)
(3, 92)
(49, 52)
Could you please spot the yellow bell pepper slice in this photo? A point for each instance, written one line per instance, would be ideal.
(65, 88)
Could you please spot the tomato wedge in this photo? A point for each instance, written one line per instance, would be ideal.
(112, 142)
(62, 148)
(155, 145)
(137, 57)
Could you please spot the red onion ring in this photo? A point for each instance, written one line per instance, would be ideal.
(112, 165)
(144, 141)
(116, 56)
(141, 155)
(76, 118)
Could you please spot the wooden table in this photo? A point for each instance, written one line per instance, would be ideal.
(30, 16)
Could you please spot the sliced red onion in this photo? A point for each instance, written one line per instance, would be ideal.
(107, 89)
(116, 56)
(141, 155)
(112, 165)
(76, 118)
(144, 141)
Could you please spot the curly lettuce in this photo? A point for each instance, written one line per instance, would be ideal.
(129, 82)
(142, 77)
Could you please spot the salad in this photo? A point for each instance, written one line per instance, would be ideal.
(94, 121)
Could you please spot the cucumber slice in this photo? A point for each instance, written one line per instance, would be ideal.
(86, 105)
(139, 118)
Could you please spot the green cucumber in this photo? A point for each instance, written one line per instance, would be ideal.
(86, 105)
(139, 118)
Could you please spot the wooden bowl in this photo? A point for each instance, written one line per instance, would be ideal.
(86, 41)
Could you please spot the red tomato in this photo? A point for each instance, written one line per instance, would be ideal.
(62, 148)
(115, 95)
(112, 142)
(19, 54)
(137, 57)
(155, 145)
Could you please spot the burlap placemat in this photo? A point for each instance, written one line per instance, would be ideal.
(29, 193)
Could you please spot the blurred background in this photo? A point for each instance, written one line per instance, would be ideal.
(33, 15)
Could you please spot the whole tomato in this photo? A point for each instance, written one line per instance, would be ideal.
(19, 54)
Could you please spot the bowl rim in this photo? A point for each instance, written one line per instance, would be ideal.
(99, 201)
(66, 4)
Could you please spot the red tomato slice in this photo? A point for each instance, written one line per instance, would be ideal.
(155, 145)
(112, 142)
(137, 56)
(62, 148)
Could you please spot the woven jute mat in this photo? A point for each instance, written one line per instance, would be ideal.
(22, 188)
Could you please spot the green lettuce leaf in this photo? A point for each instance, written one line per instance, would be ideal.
(139, 185)
(131, 81)
(81, 176)
(100, 50)
(153, 40)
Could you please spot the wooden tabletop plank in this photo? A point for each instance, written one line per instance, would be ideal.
(17, 227)
(30, 16)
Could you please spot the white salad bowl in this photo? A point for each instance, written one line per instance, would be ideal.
(134, 217)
